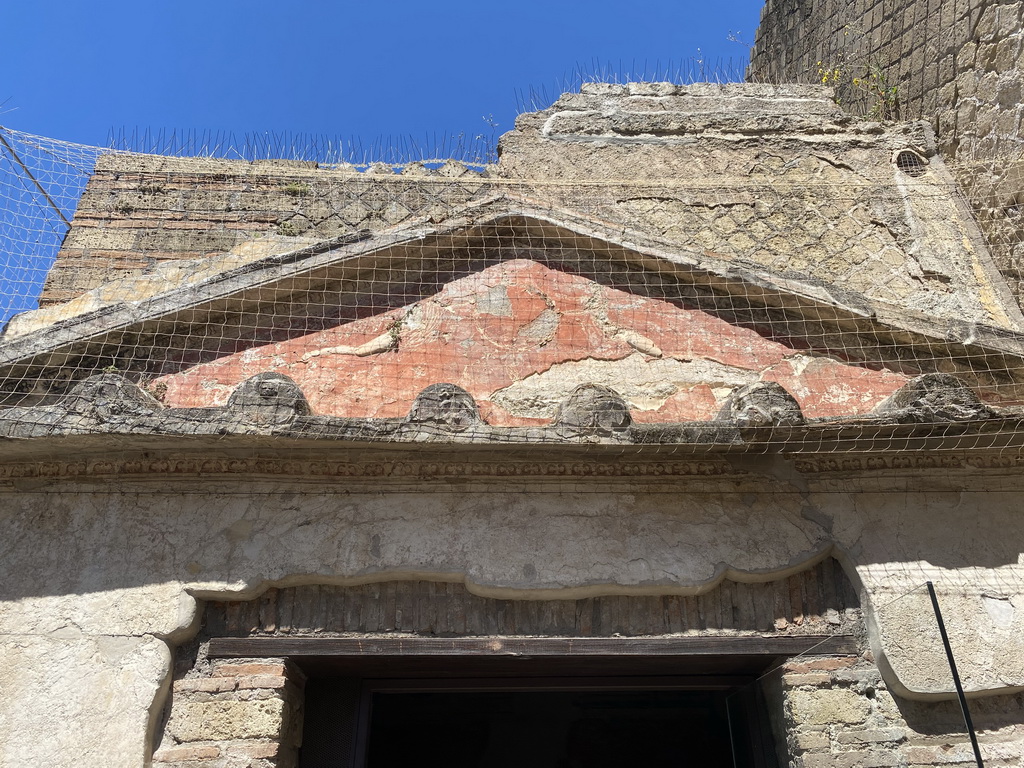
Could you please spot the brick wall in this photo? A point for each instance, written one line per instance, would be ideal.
(957, 63)
(138, 211)
(235, 715)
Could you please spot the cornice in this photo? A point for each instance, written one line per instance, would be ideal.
(320, 468)
(871, 463)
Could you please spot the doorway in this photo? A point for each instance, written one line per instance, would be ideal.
(582, 728)
(539, 713)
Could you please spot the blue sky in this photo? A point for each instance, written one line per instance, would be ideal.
(366, 75)
(75, 70)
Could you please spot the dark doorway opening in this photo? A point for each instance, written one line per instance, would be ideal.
(549, 715)
(549, 729)
(363, 682)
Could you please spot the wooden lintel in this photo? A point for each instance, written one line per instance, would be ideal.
(818, 645)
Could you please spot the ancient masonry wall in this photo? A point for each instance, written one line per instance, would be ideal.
(781, 180)
(140, 211)
(957, 63)
(838, 713)
(826, 711)
(831, 712)
(235, 714)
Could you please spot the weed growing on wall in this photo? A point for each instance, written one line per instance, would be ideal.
(860, 81)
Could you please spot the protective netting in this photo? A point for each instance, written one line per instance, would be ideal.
(799, 303)
(41, 181)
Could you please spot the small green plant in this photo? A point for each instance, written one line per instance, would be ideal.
(860, 82)
(150, 189)
(867, 86)
(124, 207)
(833, 76)
(157, 390)
(288, 229)
(295, 189)
(883, 97)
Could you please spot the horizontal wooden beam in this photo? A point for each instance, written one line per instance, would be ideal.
(818, 645)
(713, 682)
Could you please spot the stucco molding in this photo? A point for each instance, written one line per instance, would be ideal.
(374, 469)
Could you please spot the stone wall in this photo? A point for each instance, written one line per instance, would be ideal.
(827, 711)
(98, 579)
(140, 211)
(957, 63)
(831, 712)
(776, 179)
(839, 713)
(234, 715)
(109, 543)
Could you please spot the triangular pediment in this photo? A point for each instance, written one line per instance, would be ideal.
(520, 336)
(517, 305)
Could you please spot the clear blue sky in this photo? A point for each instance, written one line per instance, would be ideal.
(75, 70)
(366, 74)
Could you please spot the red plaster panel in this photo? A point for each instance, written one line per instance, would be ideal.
(499, 326)
(825, 387)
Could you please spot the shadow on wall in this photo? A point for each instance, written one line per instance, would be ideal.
(218, 536)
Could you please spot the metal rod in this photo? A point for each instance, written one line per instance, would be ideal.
(956, 675)
(732, 736)
(35, 181)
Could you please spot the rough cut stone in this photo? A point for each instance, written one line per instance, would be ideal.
(203, 721)
(833, 705)
(296, 456)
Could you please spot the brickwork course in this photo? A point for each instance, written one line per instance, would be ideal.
(235, 715)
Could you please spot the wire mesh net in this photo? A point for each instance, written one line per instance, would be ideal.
(798, 301)
(41, 181)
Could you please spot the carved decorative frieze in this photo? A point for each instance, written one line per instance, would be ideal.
(374, 469)
(272, 404)
(763, 404)
(906, 461)
(268, 399)
(446, 406)
(456, 469)
(935, 398)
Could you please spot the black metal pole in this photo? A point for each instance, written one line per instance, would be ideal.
(956, 675)
(34, 180)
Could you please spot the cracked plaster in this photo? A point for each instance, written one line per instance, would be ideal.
(121, 570)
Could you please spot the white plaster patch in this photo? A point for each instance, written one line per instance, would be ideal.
(1000, 610)
(645, 384)
(495, 302)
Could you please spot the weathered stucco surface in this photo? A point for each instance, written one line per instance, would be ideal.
(958, 64)
(519, 337)
(782, 178)
(91, 581)
(78, 698)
